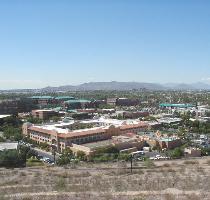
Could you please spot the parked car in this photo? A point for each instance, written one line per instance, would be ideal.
(39, 157)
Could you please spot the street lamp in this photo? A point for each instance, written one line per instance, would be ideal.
(54, 147)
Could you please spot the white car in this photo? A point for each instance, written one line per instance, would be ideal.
(153, 158)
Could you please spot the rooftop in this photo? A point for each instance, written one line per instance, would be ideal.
(64, 97)
(63, 128)
(169, 120)
(4, 116)
(12, 145)
(93, 145)
(78, 101)
(176, 105)
(41, 97)
(44, 110)
(169, 139)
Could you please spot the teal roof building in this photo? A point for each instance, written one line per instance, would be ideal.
(176, 105)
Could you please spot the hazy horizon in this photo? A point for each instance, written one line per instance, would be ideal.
(169, 84)
(54, 43)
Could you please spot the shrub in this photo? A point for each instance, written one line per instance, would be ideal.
(60, 184)
(81, 155)
(177, 153)
(191, 162)
(11, 158)
(208, 162)
(65, 158)
(33, 161)
(124, 156)
(166, 165)
(44, 146)
(2, 139)
(149, 163)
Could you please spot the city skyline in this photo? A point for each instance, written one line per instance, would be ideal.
(51, 43)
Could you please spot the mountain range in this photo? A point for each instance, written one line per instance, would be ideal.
(120, 86)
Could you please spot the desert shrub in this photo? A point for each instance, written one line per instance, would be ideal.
(138, 198)
(22, 174)
(121, 164)
(124, 156)
(208, 162)
(191, 162)
(149, 163)
(170, 170)
(3, 197)
(60, 184)
(166, 165)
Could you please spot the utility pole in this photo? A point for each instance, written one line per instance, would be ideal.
(54, 155)
(53, 152)
(131, 159)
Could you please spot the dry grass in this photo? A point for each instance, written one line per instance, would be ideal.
(191, 162)
(166, 165)
(208, 162)
(105, 184)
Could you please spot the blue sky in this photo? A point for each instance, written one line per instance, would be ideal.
(51, 42)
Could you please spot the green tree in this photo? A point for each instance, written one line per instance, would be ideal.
(11, 158)
(81, 155)
(124, 156)
(12, 133)
(34, 120)
(13, 121)
(65, 158)
(2, 139)
(205, 151)
(26, 152)
(177, 153)
(44, 146)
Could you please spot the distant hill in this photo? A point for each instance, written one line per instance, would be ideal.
(119, 86)
(107, 86)
(123, 86)
(184, 86)
(200, 85)
(179, 86)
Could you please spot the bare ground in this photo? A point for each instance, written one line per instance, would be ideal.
(168, 180)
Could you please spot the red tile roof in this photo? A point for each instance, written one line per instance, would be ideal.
(82, 133)
(69, 134)
(42, 130)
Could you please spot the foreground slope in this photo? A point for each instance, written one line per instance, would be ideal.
(167, 180)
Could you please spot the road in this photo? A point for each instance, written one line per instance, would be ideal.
(45, 154)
